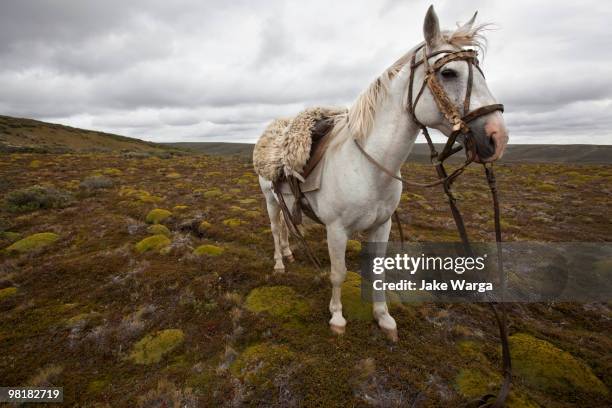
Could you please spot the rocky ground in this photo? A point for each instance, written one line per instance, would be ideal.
(147, 281)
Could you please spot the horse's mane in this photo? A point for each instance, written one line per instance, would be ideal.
(359, 119)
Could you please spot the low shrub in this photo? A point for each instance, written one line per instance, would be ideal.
(37, 198)
(96, 182)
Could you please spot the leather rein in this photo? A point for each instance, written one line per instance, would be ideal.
(460, 126)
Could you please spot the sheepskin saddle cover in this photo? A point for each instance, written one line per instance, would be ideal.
(285, 146)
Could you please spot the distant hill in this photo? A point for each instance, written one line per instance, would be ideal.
(28, 135)
(515, 153)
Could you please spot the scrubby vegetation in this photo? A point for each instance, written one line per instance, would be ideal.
(35, 198)
(96, 182)
(126, 309)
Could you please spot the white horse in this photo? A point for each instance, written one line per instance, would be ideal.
(355, 195)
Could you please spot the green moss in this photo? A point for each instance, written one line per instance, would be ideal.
(211, 250)
(352, 304)
(173, 175)
(247, 201)
(157, 229)
(475, 383)
(233, 222)
(7, 292)
(252, 214)
(79, 319)
(215, 192)
(10, 236)
(141, 195)
(412, 197)
(153, 347)
(179, 208)
(204, 226)
(97, 386)
(109, 171)
(279, 301)
(547, 367)
(153, 243)
(353, 245)
(157, 215)
(33, 242)
(259, 364)
(471, 351)
(546, 187)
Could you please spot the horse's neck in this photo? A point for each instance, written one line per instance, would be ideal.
(392, 136)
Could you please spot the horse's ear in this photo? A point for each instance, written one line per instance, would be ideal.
(431, 28)
(470, 23)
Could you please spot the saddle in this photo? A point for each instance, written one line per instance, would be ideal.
(289, 150)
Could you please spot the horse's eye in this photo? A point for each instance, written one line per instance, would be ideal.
(449, 73)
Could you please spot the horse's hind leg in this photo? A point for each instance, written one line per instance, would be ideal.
(380, 311)
(336, 243)
(276, 223)
(284, 240)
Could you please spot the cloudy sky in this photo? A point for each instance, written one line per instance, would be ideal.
(220, 70)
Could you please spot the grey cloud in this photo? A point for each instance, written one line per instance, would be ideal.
(189, 70)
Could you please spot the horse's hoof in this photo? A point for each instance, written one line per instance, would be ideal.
(290, 258)
(279, 270)
(339, 330)
(391, 334)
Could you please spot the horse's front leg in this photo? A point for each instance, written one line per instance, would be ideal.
(380, 234)
(336, 243)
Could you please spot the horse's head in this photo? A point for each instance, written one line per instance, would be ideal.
(457, 88)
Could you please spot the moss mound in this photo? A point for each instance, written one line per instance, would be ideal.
(352, 304)
(153, 243)
(97, 386)
(233, 222)
(215, 192)
(204, 226)
(353, 245)
(157, 229)
(547, 367)
(111, 171)
(157, 215)
(279, 301)
(259, 364)
(7, 292)
(211, 250)
(33, 242)
(151, 348)
(474, 383)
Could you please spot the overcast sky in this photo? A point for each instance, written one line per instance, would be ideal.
(183, 70)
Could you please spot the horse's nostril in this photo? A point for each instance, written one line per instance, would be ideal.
(492, 141)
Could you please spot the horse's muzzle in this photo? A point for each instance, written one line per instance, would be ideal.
(491, 143)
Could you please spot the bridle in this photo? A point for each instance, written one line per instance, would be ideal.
(460, 126)
(460, 123)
